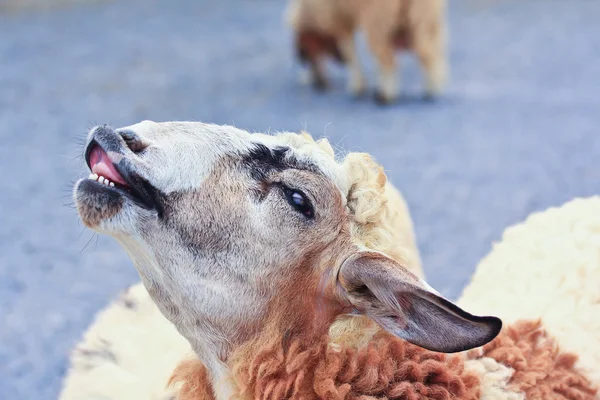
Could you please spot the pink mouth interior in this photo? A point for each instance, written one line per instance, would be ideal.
(103, 166)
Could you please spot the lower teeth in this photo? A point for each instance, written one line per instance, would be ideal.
(101, 179)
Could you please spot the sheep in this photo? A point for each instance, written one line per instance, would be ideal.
(325, 28)
(295, 352)
(298, 229)
(381, 219)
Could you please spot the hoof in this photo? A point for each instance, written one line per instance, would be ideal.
(357, 87)
(429, 97)
(381, 99)
(358, 94)
(320, 85)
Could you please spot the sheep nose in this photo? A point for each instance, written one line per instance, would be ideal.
(135, 143)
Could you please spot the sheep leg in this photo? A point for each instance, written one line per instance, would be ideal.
(436, 73)
(317, 74)
(311, 50)
(357, 84)
(387, 85)
(314, 75)
(432, 56)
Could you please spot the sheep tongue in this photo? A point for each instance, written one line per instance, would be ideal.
(102, 166)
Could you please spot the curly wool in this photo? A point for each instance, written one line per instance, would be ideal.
(375, 213)
(541, 370)
(523, 362)
(191, 381)
(387, 368)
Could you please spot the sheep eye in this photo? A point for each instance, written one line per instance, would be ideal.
(299, 202)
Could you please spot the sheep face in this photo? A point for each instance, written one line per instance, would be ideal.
(232, 232)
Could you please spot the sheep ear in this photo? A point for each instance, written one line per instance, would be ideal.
(407, 307)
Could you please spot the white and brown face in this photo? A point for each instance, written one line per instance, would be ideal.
(228, 229)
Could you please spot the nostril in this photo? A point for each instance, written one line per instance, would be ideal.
(133, 141)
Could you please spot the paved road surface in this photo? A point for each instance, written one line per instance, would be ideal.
(517, 132)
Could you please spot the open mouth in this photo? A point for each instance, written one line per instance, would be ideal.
(118, 178)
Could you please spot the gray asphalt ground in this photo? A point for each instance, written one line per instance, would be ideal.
(517, 132)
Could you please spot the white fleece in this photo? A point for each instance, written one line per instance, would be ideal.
(129, 353)
(548, 267)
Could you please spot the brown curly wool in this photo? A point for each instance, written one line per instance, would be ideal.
(194, 381)
(388, 368)
(542, 371)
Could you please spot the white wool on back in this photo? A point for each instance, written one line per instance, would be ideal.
(129, 353)
(548, 267)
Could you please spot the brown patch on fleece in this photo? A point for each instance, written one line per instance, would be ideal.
(402, 39)
(542, 371)
(194, 380)
(388, 368)
(312, 44)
